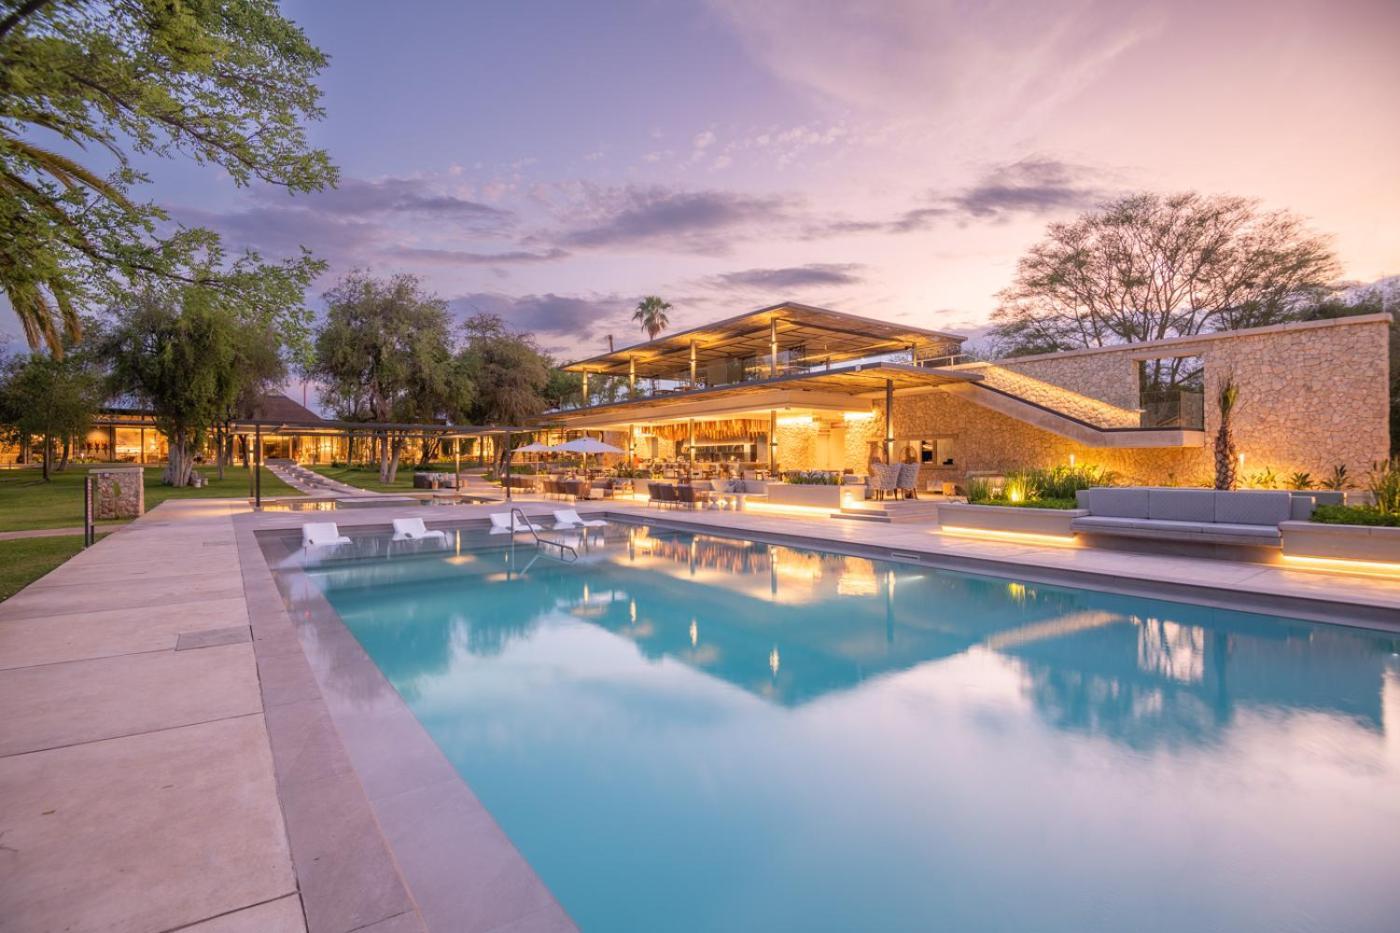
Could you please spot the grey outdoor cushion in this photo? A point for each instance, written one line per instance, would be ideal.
(1117, 503)
(1253, 508)
(1181, 505)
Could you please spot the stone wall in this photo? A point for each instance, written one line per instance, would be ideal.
(120, 493)
(1312, 396)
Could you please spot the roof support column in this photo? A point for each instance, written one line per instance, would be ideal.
(773, 348)
(889, 421)
(693, 362)
(585, 388)
(772, 443)
(631, 377)
(690, 448)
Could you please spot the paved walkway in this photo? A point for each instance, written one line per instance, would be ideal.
(136, 781)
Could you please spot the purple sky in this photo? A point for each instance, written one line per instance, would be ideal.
(555, 161)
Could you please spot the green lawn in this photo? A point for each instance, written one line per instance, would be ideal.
(26, 501)
(25, 560)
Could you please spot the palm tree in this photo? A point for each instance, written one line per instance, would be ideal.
(651, 312)
(1226, 460)
(40, 294)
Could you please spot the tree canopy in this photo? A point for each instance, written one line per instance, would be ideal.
(384, 353)
(1148, 267)
(512, 376)
(51, 398)
(228, 83)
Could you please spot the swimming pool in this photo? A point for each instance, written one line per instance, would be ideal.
(691, 732)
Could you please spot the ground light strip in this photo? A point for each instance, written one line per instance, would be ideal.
(1369, 568)
(1022, 537)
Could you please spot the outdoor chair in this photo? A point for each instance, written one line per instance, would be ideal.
(908, 480)
(666, 494)
(688, 496)
(504, 523)
(321, 534)
(883, 478)
(413, 529)
(569, 518)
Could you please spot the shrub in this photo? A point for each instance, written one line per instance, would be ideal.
(1300, 480)
(979, 490)
(1021, 486)
(1337, 479)
(1383, 482)
(1261, 479)
(813, 478)
(1354, 515)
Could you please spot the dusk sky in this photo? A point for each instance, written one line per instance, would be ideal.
(555, 161)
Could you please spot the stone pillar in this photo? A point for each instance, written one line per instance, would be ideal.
(120, 493)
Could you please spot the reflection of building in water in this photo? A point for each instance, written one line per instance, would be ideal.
(1182, 673)
(792, 626)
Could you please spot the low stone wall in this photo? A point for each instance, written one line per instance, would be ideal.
(1341, 542)
(826, 497)
(120, 493)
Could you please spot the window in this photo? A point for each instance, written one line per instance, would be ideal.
(935, 452)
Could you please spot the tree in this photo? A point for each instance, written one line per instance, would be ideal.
(224, 82)
(384, 354)
(651, 312)
(1226, 459)
(53, 399)
(563, 388)
(510, 373)
(1148, 267)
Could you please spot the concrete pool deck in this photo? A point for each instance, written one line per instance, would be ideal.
(172, 756)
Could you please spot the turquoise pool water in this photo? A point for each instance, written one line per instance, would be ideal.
(698, 733)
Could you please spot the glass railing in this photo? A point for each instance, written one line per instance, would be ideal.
(1182, 409)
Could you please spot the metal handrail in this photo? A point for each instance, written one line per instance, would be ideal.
(563, 548)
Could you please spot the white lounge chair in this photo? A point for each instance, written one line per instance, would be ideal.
(504, 523)
(321, 534)
(413, 529)
(569, 518)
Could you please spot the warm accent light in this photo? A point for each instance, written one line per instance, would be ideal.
(1024, 537)
(857, 415)
(1368, 568)
(774, 661)
(1071, 460)
(792, 420)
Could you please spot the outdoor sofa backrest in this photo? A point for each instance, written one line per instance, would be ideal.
(1237, 507)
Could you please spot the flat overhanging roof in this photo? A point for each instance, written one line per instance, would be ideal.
(850, 381)
(830, 336)
(323, 426)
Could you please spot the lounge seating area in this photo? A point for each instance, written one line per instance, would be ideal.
(1246, 518)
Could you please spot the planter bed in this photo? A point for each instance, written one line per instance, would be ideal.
(822, 497)
(1341, 542)
(1009, 518)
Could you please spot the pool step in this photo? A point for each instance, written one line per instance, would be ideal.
(903, 511)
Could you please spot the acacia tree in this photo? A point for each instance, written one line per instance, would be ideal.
(512, 376)
(224, 82)
(1148, 267)
(53, 399)
(384, 354)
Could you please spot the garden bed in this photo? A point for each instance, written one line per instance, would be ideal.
(1013, 518)
(808, 495)
(1341, 542)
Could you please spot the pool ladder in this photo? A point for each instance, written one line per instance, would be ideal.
(563, 548)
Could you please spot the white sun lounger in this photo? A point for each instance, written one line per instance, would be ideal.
(502, 523)
(413, 529)
(321, 534)
(569, 518)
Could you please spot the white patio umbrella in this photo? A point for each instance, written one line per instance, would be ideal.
(586, 446)
(535, 447)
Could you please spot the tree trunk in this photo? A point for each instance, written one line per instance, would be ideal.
(381, 440)
(180, 463)
(395, 453)
(48, 456)
(430, 449)
(221, 450)
(67, 453)
(1226, 460)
